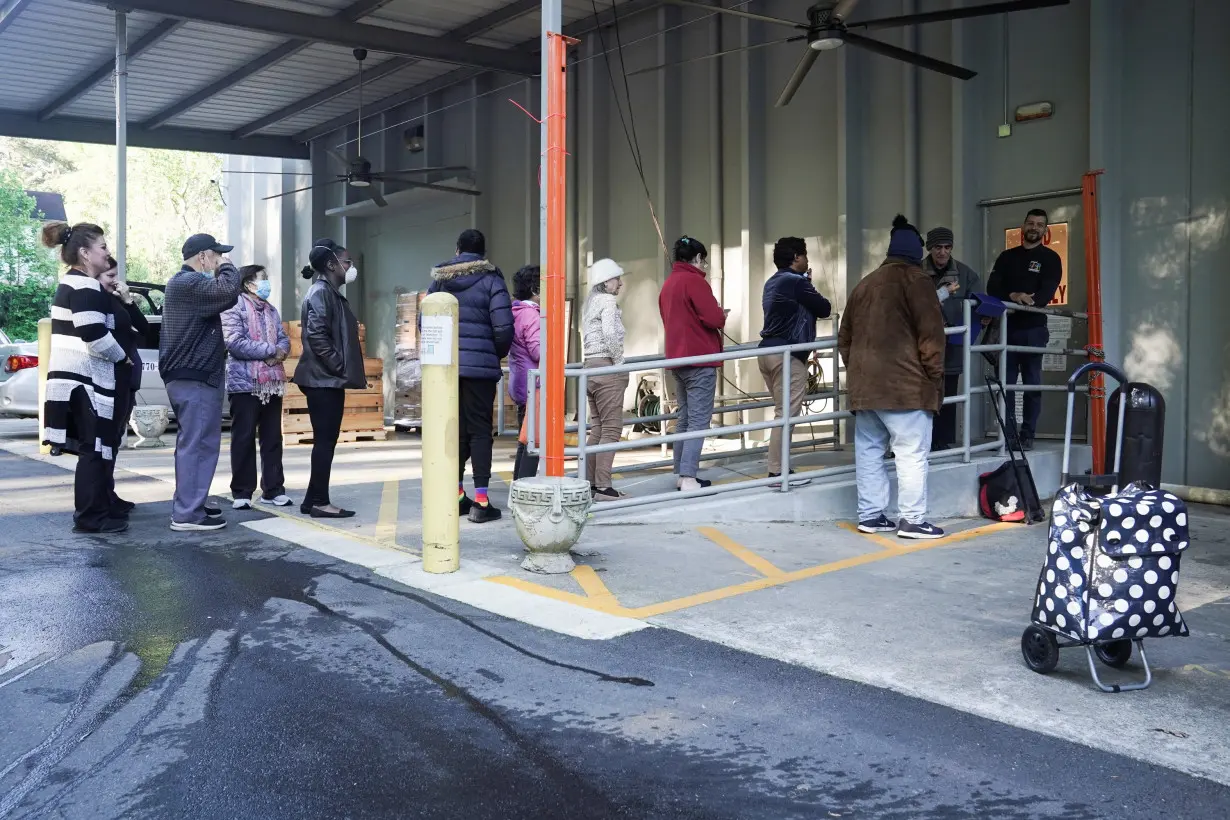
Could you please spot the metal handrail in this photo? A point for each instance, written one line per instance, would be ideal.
(787, 422)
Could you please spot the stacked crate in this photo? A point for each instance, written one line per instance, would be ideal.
(408, 373)
(363, 419)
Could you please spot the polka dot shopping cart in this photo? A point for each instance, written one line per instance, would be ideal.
(1112, 566)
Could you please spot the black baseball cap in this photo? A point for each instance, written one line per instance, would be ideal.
(204, 242)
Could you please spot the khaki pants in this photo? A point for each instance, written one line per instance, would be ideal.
(771, 371)
(606, 420)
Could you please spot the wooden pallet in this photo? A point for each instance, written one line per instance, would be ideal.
(346, 436)
(296, 343)
(372, 368)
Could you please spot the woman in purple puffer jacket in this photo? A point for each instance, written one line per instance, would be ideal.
(523, 356)
(255, 383)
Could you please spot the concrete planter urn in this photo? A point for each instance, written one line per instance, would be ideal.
(550, 514)
(150, 421)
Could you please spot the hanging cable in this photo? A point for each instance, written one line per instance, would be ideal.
(629, 135)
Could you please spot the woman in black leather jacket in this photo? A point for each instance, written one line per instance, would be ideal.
(332, 361)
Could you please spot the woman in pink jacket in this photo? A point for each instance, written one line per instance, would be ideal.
(524, 354)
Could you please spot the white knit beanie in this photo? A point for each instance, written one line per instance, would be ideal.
(604, 270)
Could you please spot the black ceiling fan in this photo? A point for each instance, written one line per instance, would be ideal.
(827, 29)
(359, 173)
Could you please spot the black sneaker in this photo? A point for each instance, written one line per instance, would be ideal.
(1027, 443)
(482, 513)
(606, 494)
(464, 505)
(213, 512)
(920, 532)
(881, 524)
(794, 482)
(110, 526)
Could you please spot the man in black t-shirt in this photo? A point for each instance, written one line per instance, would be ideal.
(1028, 274)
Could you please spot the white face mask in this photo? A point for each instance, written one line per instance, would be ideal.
(352, 273)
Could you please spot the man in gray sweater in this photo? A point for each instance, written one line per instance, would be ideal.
(192, 362)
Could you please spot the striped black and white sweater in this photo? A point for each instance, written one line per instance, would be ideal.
(84, 354)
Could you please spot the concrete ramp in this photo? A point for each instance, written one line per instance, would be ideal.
(952, 493)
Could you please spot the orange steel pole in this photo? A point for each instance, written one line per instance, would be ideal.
(1093, 298)
(557, 199)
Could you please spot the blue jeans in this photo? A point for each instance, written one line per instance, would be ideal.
(694, 391)
(908, 434)
(1029, 367)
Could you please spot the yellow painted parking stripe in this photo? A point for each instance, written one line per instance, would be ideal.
(741, 552)
(557, 594)
(608, 603)
(386, 522)
(592, 585)
(315, 522)
(901, 544)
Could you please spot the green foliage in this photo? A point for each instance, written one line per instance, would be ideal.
(27, 269)
(171, 195)
(22, 305)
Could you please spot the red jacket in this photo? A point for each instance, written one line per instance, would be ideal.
(691, 314)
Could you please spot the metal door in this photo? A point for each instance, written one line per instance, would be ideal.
(1066, 237)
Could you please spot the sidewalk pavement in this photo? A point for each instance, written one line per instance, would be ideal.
(939, 620)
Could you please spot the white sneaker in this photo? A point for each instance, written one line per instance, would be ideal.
(280, 501)
(208, 525)
(242, 504)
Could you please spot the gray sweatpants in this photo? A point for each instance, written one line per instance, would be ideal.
(695, 388)
(198, 413)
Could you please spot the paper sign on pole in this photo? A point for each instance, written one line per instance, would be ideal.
(436, 341)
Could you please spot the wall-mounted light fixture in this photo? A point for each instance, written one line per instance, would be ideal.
(1034, 111)
(413, 138)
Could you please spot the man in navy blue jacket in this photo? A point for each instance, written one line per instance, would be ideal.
(484, 336)
(791, 307)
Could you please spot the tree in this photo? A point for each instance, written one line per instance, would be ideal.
(171, 195)
(27, 269)
(37, 163)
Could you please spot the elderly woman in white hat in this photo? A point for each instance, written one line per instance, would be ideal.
(602, 338)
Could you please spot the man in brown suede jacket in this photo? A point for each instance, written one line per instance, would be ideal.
(892, 341)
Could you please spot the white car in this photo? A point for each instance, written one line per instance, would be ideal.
(19, 362)
(18, 377)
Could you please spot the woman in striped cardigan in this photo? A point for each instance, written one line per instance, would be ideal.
(79, 411)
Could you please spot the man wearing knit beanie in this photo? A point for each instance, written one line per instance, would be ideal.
(954, 282)
(892, 341)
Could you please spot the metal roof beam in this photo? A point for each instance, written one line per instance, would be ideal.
(316, 28)
(474, 28)
(151, 39)
(78, 129)
(355, 11)
(9, 12)
(580, 27)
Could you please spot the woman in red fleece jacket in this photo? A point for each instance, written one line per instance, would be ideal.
(693, 320)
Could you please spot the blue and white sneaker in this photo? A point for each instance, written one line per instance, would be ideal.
(881, 524)
(920, 532)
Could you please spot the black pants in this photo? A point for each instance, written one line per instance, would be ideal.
(124, 401)
(325, 407)
(94, 475)
(1029, 367)
(250, 419)
(476, 403)
(525, 465)
(944, 426)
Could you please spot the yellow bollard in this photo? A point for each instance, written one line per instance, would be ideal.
(438, 357)
(44, 363)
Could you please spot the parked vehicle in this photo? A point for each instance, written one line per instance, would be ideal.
(19, 362)
(18, 377)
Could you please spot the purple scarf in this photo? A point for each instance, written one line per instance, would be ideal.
(263, 325)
